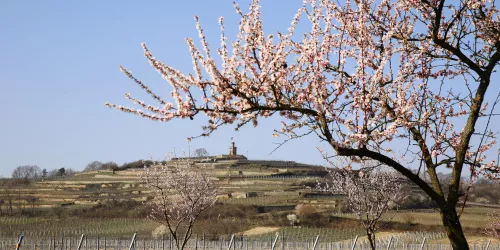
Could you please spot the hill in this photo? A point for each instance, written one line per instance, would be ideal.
(268, 183)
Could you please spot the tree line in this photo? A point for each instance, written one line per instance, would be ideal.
(34, 171)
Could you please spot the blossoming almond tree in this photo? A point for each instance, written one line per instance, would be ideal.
(367, 76)
(370, 192)
(181, 194)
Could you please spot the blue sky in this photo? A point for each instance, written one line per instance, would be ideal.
(59, 65)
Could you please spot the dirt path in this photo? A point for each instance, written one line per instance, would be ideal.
(260, 230)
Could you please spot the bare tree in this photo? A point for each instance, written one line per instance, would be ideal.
(20, 201)
(181, 194)
(53, 173)
(27, 172)
(366, 77)
(31, 200)
(2, 202)
(200, 152)
(9, 199)
(95, 165)
(370, 192)
(69, 172)
(58, 211)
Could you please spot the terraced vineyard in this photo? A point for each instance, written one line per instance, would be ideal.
(270, 192)
(91, 188)
(40, 228)
(303, 234)
(320, 241)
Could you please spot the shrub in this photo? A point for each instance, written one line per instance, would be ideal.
(417, 201)
(310, 216)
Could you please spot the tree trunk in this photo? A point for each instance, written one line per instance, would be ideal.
(371, 239)
(453, 228)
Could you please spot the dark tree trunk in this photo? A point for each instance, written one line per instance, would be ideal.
(371, 239)
(453, 228)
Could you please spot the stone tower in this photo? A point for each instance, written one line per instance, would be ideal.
(232, 149)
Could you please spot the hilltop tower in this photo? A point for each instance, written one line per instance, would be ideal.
(232, 149)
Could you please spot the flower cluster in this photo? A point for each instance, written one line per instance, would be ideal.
(365, 74)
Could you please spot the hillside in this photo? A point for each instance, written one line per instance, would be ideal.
(251, 194)
(241, 181)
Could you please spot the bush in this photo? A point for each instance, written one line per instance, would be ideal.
(136, 164)
(214, 228)
(114, 208)
(310, 216)
(418, 201)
